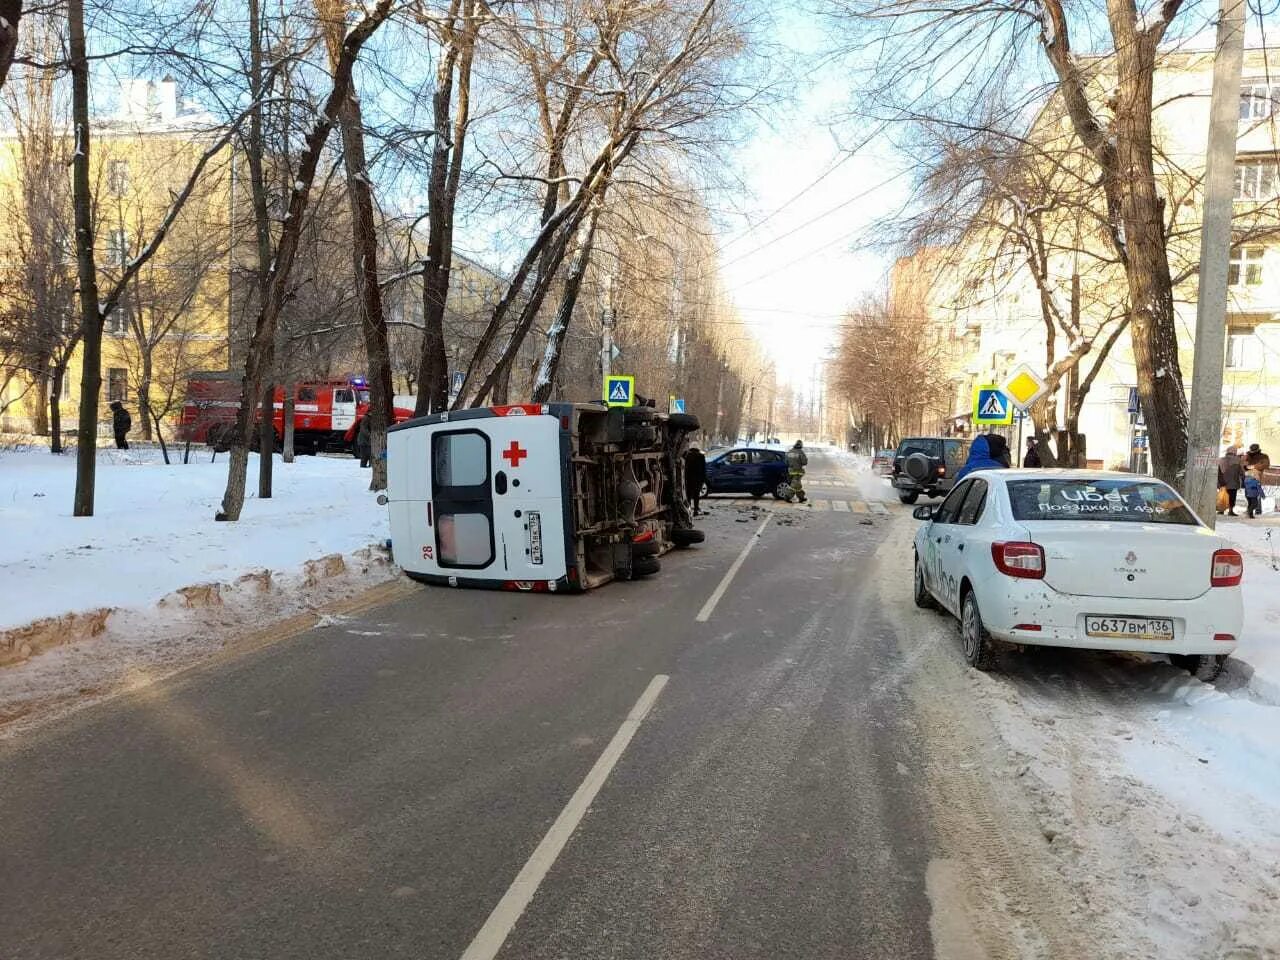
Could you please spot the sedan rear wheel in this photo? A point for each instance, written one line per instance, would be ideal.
(783, 491)
(978, 651)
(1204, 667)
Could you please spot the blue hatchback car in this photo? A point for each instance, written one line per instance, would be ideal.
(752, 470)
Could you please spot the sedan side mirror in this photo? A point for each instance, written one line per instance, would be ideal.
(924, 512)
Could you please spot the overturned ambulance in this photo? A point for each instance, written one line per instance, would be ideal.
(538, 497)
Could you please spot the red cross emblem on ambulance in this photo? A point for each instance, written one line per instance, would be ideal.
(514, 454)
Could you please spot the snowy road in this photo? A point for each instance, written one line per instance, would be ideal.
(808, 771)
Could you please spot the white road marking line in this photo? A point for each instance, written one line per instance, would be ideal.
(858, 506)
(705, 613)
(503, 919)
(877, 507)
(840, 506)
(822, 504)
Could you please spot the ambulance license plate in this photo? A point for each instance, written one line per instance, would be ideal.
(535, 536)
(1129, 628)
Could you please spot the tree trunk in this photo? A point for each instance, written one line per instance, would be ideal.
(266, 439)
(289, 391)
(58, 374)
(144, 394)
(10, 15)
(40, 415)
(544, 380)
(164, 449)
(364, 250)
(1154, 331)
(447, 149)
(86, 269)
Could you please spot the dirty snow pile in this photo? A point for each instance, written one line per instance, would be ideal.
(151, 582)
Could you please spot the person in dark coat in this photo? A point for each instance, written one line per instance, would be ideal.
(999, 448)
(1256, 459)
(1231, 476)
(981, 456)
(1032, 458)
(121, 424)
(364, 441)
(695, 475)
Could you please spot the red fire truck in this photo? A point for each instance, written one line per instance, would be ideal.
(326, 413)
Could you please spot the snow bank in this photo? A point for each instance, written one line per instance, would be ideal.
(153, 530)
(1259, 542)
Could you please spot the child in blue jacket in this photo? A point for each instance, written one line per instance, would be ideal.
(1253, 493)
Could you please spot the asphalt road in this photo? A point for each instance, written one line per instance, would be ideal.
(803, 786)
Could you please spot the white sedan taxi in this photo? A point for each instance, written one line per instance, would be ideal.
(1075, 558)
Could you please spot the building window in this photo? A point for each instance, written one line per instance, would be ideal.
(118, 177)
(1255, 180)
(117, 247)
(1245, 266)
(1258, 101)
(1240, 348)
(117, 384)
(116, 322)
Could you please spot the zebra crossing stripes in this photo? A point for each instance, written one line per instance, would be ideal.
(840, 506)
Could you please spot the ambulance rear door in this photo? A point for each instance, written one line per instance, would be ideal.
(496, 503)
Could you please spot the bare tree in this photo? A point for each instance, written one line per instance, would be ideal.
(286, 250)
(965, 52)
(364, 248)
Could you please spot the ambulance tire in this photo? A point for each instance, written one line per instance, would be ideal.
(638, 415)
(687, 536)
(644, 567)
(684, 421)
(647, 548)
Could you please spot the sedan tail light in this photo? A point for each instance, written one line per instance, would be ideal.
(1019, 559)
(1227, 568)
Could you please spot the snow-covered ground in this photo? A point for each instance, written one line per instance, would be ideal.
(178, 585)
(1259, 543)
(153, 530)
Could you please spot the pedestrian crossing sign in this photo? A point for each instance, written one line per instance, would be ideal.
(619, 391)
(991, 406)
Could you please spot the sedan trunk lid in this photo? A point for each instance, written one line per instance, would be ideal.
(1126, 559)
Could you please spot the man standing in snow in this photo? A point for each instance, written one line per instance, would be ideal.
(797, 460)
(364, 442)
(121, 424)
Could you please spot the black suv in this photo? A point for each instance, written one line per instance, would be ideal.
(927, 465)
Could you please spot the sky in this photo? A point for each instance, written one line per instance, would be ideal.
(799, 255)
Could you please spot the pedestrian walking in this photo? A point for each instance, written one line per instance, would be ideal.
(1032, 457)
(1253, 492)
(981, 456)
(1231, 477)
(695, 476)
(121, 424)
(364, 442)
(1256, 459)
(797, 460)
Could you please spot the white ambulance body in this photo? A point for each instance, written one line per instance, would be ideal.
(539, 497)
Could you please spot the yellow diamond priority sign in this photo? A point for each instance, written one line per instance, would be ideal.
(1024, 387)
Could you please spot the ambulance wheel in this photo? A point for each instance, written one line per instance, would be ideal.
(644, 567)
(638, 415)
(684, 421)
(646, 548)
(687, 536)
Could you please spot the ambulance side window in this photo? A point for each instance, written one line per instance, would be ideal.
(461, 459)
(463, 501)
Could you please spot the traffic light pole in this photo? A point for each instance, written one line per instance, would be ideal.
(1204, 426)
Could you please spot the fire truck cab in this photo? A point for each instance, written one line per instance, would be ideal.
(538, 497)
